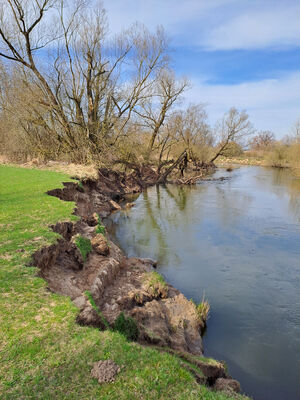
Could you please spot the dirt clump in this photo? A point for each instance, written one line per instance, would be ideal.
(227, 385)
(88, 316)
(129, 205)
(115, 205)
(169, 322)
(155, 285)
(105, 371)
(100, 245)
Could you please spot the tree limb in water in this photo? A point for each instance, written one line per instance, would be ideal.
(163, 177)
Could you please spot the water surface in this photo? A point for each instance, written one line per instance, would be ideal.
(237, 241)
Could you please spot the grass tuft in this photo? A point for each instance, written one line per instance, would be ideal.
(80, 185)
(155, 284)
(84, 246)
(100, 228)
(97, 309)
(202, 309)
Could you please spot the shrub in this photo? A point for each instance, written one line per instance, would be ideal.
(84, 246)
(278, 156)
(127, 327)
(232, 149)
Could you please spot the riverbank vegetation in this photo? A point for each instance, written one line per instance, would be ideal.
(264, 149)
(84, 246)
(44, 353)
(79, 94)
(155, 284)
(202, 310)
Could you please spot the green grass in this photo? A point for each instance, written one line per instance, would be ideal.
(96, 308)
(44, 354)
(100, 227)
(127, 327)
(84, 246)
(80, 185)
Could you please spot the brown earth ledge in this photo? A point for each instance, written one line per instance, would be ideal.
(165, 319)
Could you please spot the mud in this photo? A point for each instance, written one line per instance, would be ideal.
(165, 318)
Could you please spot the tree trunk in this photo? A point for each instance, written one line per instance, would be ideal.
(219, 153)
(163, 177)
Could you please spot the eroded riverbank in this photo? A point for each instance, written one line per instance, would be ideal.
(165, 318)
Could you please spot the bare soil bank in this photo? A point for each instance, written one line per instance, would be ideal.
(164, 317)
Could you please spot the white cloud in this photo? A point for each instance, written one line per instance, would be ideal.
(272, 104)
(228, 25)
(272, 27)
(214, 24)
(176, 16)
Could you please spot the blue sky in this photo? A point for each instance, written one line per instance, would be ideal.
(242, 53)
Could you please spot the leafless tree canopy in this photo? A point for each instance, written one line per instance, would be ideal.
(262, 141)
(233, 127)
(70, 90)
(82, 88)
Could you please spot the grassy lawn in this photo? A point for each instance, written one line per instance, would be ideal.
(44, 354)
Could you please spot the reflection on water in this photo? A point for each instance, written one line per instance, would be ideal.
(239, 241)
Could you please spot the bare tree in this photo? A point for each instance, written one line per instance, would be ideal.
(192, 129)
(233, 127)
(90, 86)
(149, 55)
(296, 131)
(154, 109)
(263, 140)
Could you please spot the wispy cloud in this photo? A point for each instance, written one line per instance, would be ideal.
(175, 15)
(256, 29)
(216, 38)
(214, 24)
(272, 103)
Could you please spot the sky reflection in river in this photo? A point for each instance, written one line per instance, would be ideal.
(237, 240)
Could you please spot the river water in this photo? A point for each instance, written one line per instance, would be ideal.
(238, 241)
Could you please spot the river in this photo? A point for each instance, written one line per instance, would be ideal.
(238, 242)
